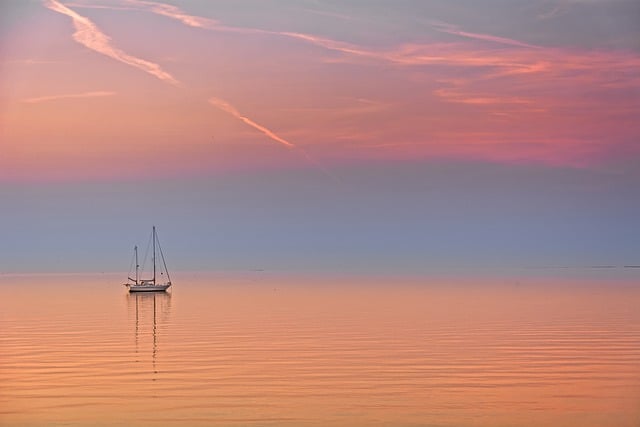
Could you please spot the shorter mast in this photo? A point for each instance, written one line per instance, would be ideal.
(154, 254)
(135, 249)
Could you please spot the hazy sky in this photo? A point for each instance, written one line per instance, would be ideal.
(329, 135)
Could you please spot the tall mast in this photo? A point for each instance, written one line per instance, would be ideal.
(135, 249)
(154, 254)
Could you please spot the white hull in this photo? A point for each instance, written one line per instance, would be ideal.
(149, 288)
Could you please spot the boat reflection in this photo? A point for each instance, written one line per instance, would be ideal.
(152, 311)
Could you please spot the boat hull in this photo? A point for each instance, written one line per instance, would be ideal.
(149, 288)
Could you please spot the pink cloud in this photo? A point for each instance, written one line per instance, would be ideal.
(481, 97)
(95, 94)
(90, 36)
(455, 30)
(174, 12)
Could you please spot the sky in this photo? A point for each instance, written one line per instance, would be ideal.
(370, 136)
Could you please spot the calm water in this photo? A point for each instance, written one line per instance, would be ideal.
(259, 351)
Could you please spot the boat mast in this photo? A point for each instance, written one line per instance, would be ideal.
(154, 254)
(135, 249)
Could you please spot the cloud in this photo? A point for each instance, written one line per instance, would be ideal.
(97, 6)
(31, 61)
(174, 13)
(508, 90)
(330, 14)
(90, 36)
(178, 14)
(95, 94)
(419, 54)
(554, 12)
(331, 44)
(524, 59)
(444, 27)
(452, 95)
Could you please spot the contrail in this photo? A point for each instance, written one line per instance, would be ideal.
(225, 106)
(90, 36)
(70, 95)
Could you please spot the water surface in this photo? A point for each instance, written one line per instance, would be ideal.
(259, 350)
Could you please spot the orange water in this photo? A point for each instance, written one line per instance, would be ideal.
(259, 351)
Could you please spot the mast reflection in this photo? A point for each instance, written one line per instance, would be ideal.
(152, 311)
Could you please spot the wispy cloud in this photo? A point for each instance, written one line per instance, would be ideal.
(96, 94)
(335, 15)
(31, 61)
(420, 54)
(518, 90)
(352, 107)
(555, 9)
(178, 14)
(225, 106)
(523, 59)
(90, 36)
(453, 95)
(445, 27)
(174, 12)
(330, 44)
(97, 6)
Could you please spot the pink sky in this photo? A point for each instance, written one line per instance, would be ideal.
(92, 87)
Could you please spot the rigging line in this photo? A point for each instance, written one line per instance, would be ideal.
(163, 261)
(133, 260)
(146, 255)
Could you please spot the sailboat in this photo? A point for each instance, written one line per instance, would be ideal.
(150, 285)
